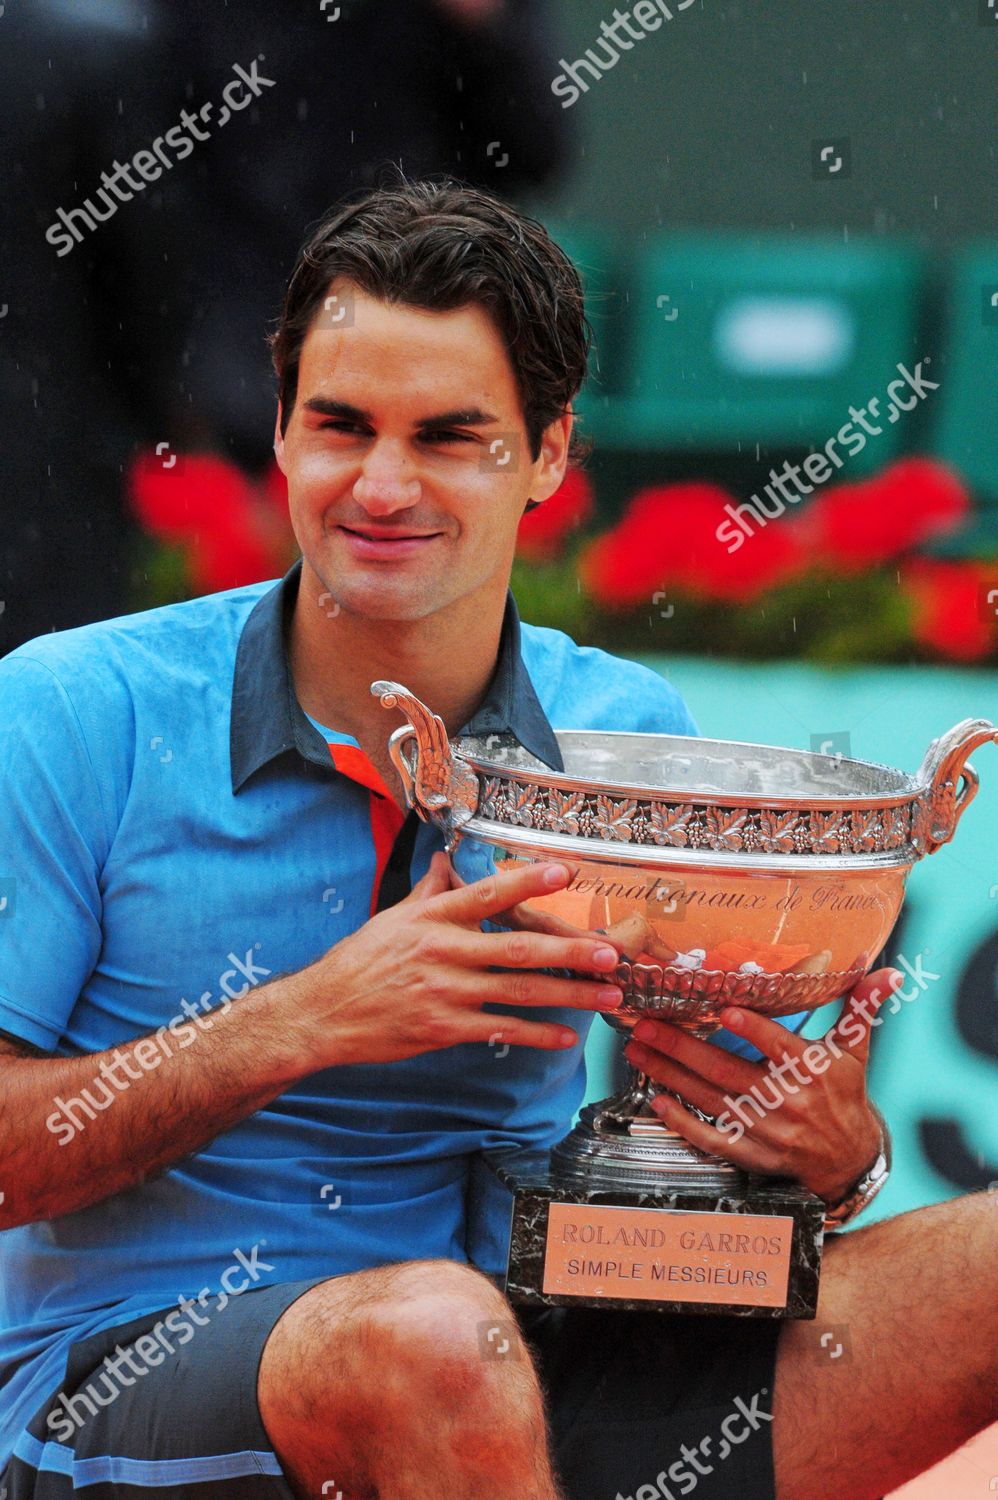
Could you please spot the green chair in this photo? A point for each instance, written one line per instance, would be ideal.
(735, 341)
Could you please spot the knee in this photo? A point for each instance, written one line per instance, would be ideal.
(446, 1333)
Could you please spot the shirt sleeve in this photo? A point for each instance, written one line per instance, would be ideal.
(53, 843)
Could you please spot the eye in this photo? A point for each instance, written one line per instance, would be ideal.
(445, 435)
(339, 424)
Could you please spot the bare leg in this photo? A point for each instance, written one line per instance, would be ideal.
(914, 1303)
(384, 1384)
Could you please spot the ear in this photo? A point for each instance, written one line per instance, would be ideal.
(279, 452)
(549, 470)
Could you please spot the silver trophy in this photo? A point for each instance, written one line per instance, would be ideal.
(725, 873)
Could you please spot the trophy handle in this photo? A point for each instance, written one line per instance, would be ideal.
(939, 777)
(437, 781)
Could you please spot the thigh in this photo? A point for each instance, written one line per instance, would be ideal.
(648, 1405)
(161, 1408)
(899, 1367)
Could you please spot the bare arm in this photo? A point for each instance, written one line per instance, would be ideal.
(411, 980)
(161, 1114)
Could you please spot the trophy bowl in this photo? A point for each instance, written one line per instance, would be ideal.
(724, 872)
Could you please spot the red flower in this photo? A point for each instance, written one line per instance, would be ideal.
(857, 526)
(226, 528)
(950, 613)
(543, 532)
(669, 535)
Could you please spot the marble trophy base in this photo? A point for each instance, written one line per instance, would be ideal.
(749, 1249)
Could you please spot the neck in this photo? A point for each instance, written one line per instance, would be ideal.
(447, 659)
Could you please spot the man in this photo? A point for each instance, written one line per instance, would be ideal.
(247, 1081)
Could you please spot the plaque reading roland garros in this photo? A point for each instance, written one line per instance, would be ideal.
(650, 1254)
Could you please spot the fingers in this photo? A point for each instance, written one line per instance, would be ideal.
(712, 1063)
(773, 1040)
(438, 878)
(511, 1031)
(529, 950)
(859, 1013)
(523, 919)
(544, 989)
(496, 893)
(740, 1149)
(693, 1088)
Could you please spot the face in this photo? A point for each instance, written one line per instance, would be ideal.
(406, 457)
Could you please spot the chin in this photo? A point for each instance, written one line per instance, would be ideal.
(373, 601)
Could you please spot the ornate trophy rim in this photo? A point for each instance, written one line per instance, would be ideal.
(456, 785)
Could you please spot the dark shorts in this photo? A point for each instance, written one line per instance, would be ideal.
(630, 1397)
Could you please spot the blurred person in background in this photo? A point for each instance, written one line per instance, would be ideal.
(146, 330)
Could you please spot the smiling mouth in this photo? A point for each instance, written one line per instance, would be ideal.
(390, 536)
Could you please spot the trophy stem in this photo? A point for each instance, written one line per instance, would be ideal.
(623, 1137)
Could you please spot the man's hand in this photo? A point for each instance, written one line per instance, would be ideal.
(804, 1110)
(413, 979)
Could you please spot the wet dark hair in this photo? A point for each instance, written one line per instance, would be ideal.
(439, 244)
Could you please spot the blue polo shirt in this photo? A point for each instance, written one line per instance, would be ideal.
(173, 830)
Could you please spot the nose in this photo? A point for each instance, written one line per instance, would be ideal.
(386, 483)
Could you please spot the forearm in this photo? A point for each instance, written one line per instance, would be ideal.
(159, 1100)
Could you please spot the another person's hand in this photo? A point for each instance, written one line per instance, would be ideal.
(801, 1112)
(414, 977)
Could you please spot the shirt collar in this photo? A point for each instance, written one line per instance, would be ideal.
(267, 720)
